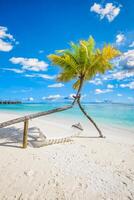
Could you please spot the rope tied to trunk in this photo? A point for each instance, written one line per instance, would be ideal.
(77, 97)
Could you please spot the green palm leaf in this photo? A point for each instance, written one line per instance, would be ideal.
(82, 61)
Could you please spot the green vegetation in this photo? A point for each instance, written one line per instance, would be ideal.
(81, 63)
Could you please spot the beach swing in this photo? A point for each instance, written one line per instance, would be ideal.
(26, 119)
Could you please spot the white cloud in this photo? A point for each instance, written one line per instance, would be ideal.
(30, 75)
(132, 44)
(56, 85)
(5, 46)
(99, 91)
(30, 99)
(120, 38)
(83, 96)
(110, 86)
(31, 64)
(71, 96)
(41, 51)
(4, 34)
(119, 95)
(6, 40)
(122, 75)
(127, 59)
(124, 67)
(52, 97)
(18, 71)
(96, 81)
(129, 85)
(110, 11)
(130, 98)
(44, 76)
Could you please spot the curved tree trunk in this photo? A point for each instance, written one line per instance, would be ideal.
(33, 116)
(78, 92)
(91, 120)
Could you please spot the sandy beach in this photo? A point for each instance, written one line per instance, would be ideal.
(85, 168)
(66, 100)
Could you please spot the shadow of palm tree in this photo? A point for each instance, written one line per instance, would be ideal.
(13, 137)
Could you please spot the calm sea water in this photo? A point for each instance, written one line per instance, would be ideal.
(114, 114)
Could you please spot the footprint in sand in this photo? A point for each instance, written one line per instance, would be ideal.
(80, 185)
(57, 184)
(124, 184)
(29, 173)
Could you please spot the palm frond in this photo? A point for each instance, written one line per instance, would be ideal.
(109, 52)
(76, 84)
(82, 60)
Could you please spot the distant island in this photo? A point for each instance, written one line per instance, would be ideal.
(10, 102)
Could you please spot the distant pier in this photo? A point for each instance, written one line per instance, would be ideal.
(10, 102)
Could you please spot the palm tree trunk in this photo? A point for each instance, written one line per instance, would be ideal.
(33, 116)
(78, 92)
(77, 99)
(91, 120)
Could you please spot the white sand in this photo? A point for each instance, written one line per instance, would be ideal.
(84, 169)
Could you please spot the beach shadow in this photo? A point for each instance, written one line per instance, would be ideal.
(86, 137)
(13, 137)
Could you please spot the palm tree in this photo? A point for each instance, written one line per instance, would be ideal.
(81, 63)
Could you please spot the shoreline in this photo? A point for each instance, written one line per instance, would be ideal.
(71, 118)
(87, 166)
(64, 127)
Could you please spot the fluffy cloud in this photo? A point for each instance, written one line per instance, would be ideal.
(44, 76)
(119, 95)
(129, 85)
(96, 81)
(127, 59)
(83, 96)
(110, 11)
(120, 38)
(5, 46)
(18, 71)
(99, 91)
(56, 85)
(110, 86)
(122, 74)
(70, 97)
(6, 40)
(30, 99)
(41, 51)
(31, 64)
(124, 67)
(4, 34)
(52, 97)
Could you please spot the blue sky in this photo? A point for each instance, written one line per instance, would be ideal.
(30, 30)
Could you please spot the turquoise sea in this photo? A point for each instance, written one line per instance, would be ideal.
(114, 114)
